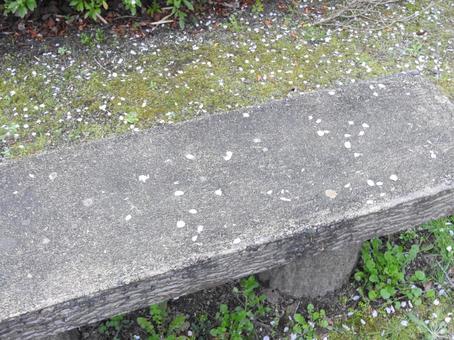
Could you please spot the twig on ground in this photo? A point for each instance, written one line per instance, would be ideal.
(395, 21)
(124, 17)
(99, 64)
(354, 9)
(104, 21)
(365, 11)
(234, 5)
(162, 21)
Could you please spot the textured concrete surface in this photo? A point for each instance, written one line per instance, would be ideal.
(312, 276)
(102, 228)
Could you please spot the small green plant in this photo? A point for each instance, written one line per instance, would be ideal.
(314, 34)
(408, 236)
(5, 152)
(293, 8)
(233, 24)
(307, 327)
(258, 7)
(100, 36)
(90, 39)
(8, 131)
(158, 325)
(113, 326)
(152, 85)
(19, 8)
(251, 299)
(63, 51)
(415, 49)
(132, 118)
(235, 324)
(91, 8)
(239, 322)
(414, 6)
(86, 39)
(443, 238)
(132, 5)
(178, 7)
(442, 241)
(154, 8)
(201, 327)
(383, 272)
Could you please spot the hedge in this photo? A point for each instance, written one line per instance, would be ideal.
(92, 8)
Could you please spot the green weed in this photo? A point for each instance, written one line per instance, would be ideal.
(160, 325)
(306, 327)
(239, 322)
(132, 118)
(233, 24)
(383, 272)
(257, 7)
(113, 326)
(178, 10)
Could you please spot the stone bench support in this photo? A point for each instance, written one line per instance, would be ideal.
(314, 275)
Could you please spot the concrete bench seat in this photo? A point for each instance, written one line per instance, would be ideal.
(106, 227)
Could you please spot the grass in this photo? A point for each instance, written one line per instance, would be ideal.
(245, 310)
(66, 96)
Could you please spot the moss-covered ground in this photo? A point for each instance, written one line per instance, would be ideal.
(68, 91)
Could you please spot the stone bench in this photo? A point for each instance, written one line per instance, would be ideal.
(103, 228)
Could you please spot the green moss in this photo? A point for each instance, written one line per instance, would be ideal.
(178, 82)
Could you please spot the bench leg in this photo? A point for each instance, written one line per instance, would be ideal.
(69, 335)
(312, 276)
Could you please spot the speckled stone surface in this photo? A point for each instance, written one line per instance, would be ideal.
(311, 277)
(105, 227)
